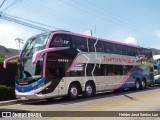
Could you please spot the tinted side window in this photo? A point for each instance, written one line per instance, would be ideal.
(99, 46)
(60, 41)
(147, 52)
(79, 43)
(91, 45)
(99, 71)
(114, 70)
(155, 67)
(89, 69)
(139, 52)
(131, 51)
(121, 49)
(127, 69)
(109, 48)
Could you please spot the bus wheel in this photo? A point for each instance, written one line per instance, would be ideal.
(89, 90)
(137, 85)
(73, 91)
(143, 84)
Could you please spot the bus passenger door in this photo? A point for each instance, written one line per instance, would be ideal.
(55, 73)
(61, 73)
(51, 75)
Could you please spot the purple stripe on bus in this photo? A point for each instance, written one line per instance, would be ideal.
(73, 65)
(125, 78)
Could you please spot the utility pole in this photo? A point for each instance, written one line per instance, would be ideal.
(95, 30)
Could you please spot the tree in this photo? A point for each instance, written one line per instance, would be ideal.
(19, 41)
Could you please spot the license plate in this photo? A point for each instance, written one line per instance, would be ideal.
(23, 98)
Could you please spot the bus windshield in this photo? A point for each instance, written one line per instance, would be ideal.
(34, 44)
(28, 71)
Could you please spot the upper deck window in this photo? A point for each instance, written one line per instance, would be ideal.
(122, 50)
(132, 51)
(91, 45)
(110, 48)
(79, 43)
(99, 46)
(96, 46)
(147, 53)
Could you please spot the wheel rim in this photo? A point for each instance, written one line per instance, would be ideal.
(89, 90)
(74, 91)
(143, 84)
(137, 85)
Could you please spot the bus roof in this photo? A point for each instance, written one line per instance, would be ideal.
(95, 38)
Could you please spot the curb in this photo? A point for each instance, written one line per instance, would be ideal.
(16, 101)
(10, 102)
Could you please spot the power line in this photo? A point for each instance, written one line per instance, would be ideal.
(31, 21)
(2, 3)
(104, 17)
(61, 17)
(51, 13)
(13, 3)
(116, 16)
(19, 21)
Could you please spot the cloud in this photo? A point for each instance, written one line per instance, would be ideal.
(130, 40)
(8, 33)
(125, 38)
(157, 33)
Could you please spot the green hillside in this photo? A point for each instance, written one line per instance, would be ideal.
(7, 52)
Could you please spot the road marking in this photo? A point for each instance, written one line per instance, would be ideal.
(102, 107)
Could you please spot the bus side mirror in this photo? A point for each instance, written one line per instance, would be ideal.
(38, 53)
(8, 59)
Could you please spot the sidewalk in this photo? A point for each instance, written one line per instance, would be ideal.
(10, 102)
(16, 101)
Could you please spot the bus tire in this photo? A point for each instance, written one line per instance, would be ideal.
(137, 85)
(143, 84)
(73, 91)
(89, 90)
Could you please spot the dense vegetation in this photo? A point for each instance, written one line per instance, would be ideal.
(6, 93)
(155, 51)
(7, 81)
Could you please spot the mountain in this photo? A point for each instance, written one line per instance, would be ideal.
(7, 52)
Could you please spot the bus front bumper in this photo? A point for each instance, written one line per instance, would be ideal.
(33, 94)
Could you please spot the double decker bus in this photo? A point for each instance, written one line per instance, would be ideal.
(62, 63)
(156, 59)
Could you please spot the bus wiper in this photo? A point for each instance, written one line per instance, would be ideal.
(24, 52)
(29, 51)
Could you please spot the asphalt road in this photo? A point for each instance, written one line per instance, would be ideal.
(103, 104)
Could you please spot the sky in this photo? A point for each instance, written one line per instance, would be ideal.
(128, 21)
